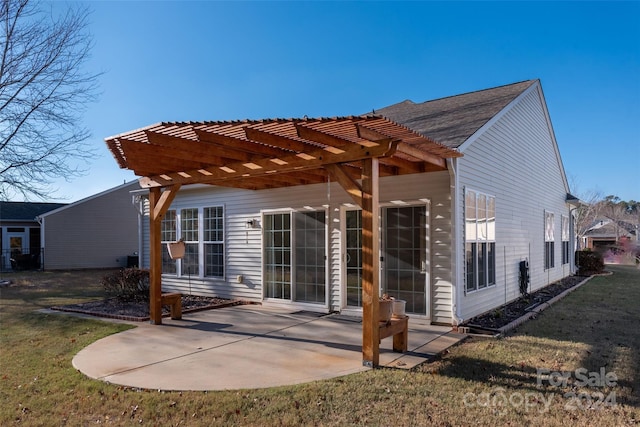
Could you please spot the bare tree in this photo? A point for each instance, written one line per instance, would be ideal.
(44, 91)
(586, 214)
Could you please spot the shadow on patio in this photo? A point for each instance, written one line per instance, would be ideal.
(247, 347)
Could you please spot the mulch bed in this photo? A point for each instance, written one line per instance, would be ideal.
(138, 311)
(505, 314)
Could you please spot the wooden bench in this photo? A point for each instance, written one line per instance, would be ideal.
(175, 301)
(399, 328)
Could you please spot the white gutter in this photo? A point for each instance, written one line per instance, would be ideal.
(455, 239)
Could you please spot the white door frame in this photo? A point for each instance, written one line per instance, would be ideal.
(350, 310)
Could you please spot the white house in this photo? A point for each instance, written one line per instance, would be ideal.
(488, 192)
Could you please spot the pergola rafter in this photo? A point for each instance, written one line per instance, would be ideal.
(256, 155)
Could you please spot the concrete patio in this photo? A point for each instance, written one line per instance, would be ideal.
(248, 346)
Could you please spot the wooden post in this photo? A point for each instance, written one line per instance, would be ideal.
(155, 259)
(159, 202)
(370, 263)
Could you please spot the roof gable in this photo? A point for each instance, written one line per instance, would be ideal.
(132, 184)
(452, 120)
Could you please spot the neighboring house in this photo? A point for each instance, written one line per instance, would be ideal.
(606, 233)
(100, 231)
(20, 234)
(451, 237)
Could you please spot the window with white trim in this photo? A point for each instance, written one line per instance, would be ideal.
(189, 264)
(565, 240)
(277, 255)
(480, 240)
(168, 233)
(213, 241)
(204, 241)
(549, 240)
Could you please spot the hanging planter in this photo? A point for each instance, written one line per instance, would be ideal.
(176, 249)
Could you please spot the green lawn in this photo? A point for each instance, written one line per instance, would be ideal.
(481, 382)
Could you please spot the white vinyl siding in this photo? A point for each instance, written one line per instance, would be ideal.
(515, 159)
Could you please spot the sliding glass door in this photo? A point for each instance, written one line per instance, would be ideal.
(294, 256)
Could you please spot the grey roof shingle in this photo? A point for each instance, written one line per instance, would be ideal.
(452, 120)
(25, 211)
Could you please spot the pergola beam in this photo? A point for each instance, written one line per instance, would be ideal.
(346, 181)
(422, 155)
(236, 144)
(367, 133)
(203, 151)
(324, 138)
(266, 167)
(148, 157)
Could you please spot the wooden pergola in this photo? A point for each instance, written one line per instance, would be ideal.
(256, 155)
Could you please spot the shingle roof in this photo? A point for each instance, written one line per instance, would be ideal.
(452, 120)
(25, 211)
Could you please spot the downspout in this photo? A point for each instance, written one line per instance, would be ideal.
(455, 239)
(575, 202)
(574, 242)
(138, 201)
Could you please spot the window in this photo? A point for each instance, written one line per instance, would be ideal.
(277, 256)
(480, 238)
(549, 243)
(310, 257)
(354, 257)
(189, 264)
(168, 234)
(213, 242)
(565, 239)
(206, 238)
(294, 248)
(404, 250)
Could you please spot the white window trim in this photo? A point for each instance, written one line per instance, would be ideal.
(565, 224)
(201, 242)
(165, 242)
(549, 238)
(477, 240)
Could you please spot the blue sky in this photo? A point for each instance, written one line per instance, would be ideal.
(181, 61)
